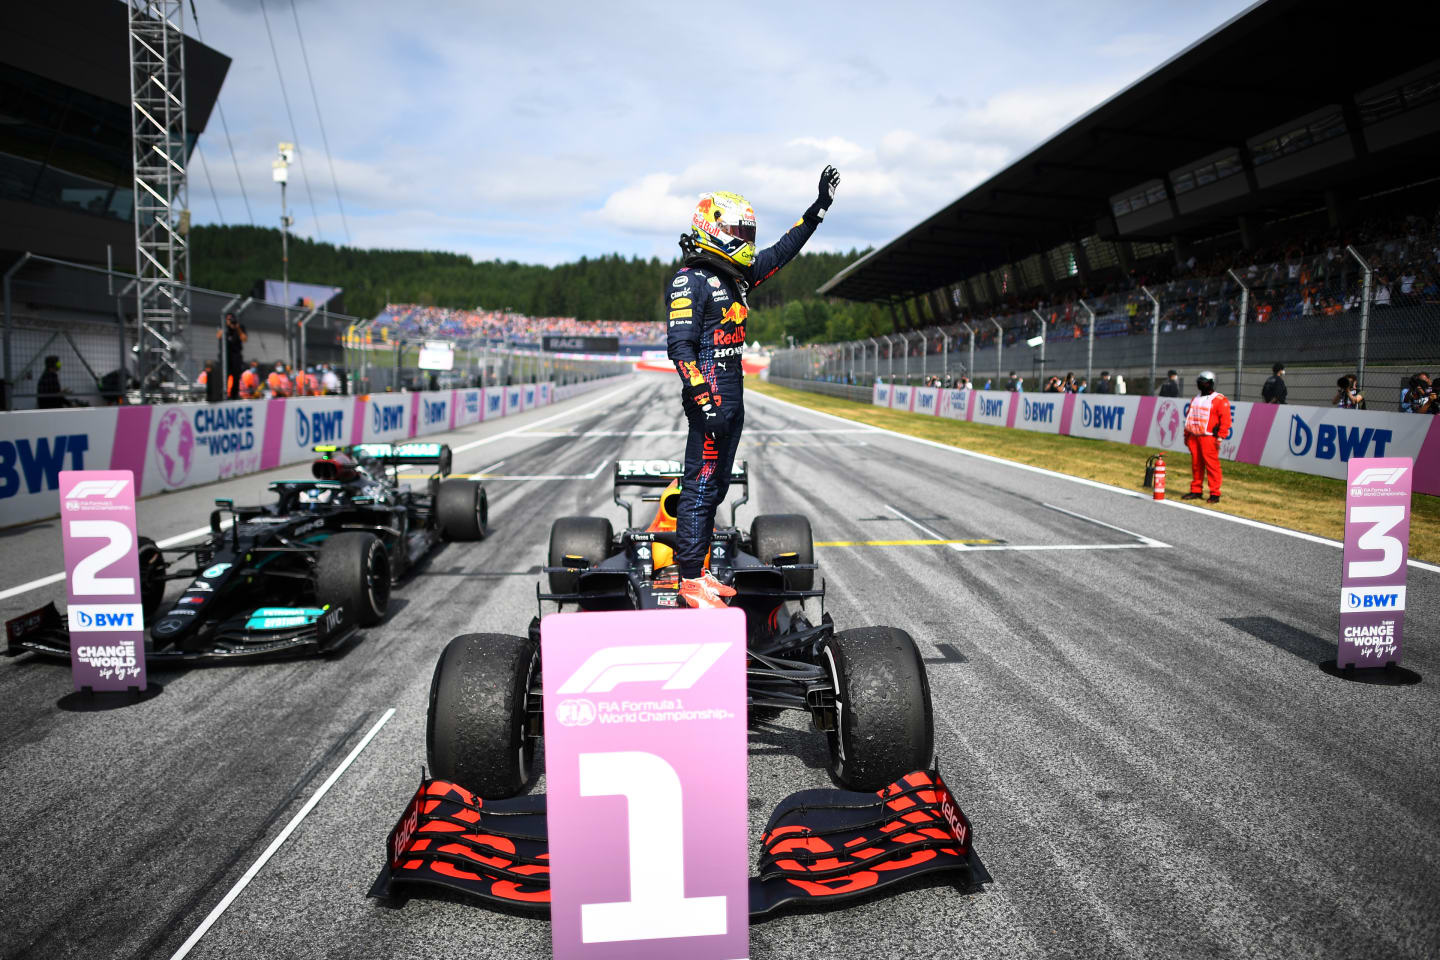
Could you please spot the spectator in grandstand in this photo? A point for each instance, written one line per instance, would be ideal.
(1347, 394)
(251, 382)
(1082, 385)
(1054, 385)
(1207, 423)
(1419, 396)
(234, 336)
(329, 380)
(1104, 384)
(49, 394)
(1171, 386)
(1382, 291)
(1274, 390)
(1068, 386)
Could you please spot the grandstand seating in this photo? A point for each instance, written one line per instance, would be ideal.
(411, 321)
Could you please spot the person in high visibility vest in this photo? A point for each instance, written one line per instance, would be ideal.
(278, 382)
(304, 383)
(250, 381)
(1207, 422)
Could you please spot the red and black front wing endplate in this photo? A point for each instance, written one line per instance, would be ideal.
(820, 845)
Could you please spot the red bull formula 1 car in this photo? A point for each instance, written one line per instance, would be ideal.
(469, 828)
(322, 558)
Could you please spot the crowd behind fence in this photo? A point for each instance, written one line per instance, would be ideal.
(69, 339)
(1372, 312)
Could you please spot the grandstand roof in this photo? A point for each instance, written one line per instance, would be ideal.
(1268, 68)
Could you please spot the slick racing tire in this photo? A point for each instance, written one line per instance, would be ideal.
(462, 509)
(477, 727)
(353, 571)
(587, 537)
(153, 570)
(884, 728)
(774, 534)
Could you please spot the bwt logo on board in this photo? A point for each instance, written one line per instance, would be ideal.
(387, 417)
(1373, 598)
(39, 462)
(493, 404)
(927, 399)
(1038, 412)
(991, 408)
(433, 411)
(472, 402)
(320, 426)
(1102, 417)
(102, 617)
(1330, 439)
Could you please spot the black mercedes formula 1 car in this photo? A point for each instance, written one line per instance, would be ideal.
(470, 829)
(298, 575)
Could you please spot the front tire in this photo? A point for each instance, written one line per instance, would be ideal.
(586, 537)
(884, 727)
(462, 509)
(153, 570)
(774, 534)
(477, 727)
(353, 571)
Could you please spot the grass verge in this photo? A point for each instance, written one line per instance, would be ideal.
(1298, 501)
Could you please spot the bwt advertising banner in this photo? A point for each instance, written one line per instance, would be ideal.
(1315, 440)
(172, 446)
(646, 781)
(102, 577)
(1377, 541)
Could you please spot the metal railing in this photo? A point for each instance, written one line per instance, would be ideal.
(1371, 312)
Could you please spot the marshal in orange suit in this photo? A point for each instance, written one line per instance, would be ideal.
(1207, 422)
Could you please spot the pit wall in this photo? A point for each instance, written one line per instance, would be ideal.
(1318, 440)
(173, 446)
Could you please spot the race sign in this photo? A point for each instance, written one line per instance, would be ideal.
(1377, 542)
(102, 576)
(646, 782)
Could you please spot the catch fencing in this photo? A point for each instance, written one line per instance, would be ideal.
(1369, 312)
(84, 317)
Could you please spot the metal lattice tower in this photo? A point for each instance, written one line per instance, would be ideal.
(162, 214)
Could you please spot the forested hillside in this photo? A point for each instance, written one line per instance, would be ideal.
(608, 287)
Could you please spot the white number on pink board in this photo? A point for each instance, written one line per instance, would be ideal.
(657, 908)
(86, 583)
(1382, 520)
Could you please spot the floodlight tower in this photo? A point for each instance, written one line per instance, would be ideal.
(159, 140)
(280, 170)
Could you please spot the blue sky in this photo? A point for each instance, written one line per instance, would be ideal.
(541, 132)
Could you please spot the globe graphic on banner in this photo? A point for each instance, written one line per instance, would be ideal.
(1167, 419)
(174, 447)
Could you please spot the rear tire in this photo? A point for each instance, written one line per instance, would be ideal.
(778, 533)
(884, 724)
(462, 509)
(153, 570)
(353, 571)
(476, 728)
(587, 537)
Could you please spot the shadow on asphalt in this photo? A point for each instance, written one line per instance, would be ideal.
(1306, 646)
(97, 701)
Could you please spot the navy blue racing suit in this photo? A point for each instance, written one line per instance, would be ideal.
(707, 310)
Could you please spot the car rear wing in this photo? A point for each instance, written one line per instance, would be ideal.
(661, 473)
(397, 454)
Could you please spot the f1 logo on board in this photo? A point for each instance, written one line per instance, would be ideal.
(1379, 475)
(1372, 598)
(677, 666)
(105, 489)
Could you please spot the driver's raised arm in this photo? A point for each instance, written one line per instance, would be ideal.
(782, 251)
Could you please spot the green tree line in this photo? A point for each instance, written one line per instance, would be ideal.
(607, 287)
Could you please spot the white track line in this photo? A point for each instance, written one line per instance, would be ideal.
(556, 476)
(551, 419)
(1102, 523)
(279, 840)
(1230, 517)
(920, 526)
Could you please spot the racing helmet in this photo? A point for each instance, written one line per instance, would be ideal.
(335, 466)
(724, 224)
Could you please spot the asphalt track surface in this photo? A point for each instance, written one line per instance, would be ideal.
(1133, 719)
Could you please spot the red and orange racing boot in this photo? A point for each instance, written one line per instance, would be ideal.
(721, 589)
(697, 593)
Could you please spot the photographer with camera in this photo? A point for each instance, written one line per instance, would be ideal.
(1421, 396)
(235, 336)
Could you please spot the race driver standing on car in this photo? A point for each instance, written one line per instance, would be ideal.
(1207, 422)
(707, 310)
